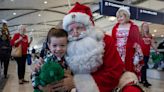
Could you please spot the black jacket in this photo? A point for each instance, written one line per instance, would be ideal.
(5, 47)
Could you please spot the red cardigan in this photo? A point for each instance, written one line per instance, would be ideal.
(108, 75)
(24, 42)
(133, 37)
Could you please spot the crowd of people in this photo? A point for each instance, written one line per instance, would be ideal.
(99, 62)
(92, 61)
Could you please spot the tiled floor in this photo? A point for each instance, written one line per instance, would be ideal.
(13, 86)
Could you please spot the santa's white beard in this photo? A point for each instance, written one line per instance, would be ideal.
(85, 55)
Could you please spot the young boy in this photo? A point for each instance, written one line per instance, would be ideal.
(57, 43)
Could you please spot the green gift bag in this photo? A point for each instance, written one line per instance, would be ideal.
(156, 57)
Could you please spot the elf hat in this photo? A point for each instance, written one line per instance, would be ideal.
(79, 14)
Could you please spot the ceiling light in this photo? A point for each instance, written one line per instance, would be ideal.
(45, 2)
(155, 30)
(39, 15)
(162, 35)
(153, 34)
(112, 18)
(11, 0)
(14, 13)
(32, 29)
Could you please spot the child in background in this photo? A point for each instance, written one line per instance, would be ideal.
(146, 43)
(57, 43)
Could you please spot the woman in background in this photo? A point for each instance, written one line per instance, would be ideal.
(147, 42)
(5, 47)
(127, 38)
(21, 38)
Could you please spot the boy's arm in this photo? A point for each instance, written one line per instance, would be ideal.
(35, 75)
(46, 88)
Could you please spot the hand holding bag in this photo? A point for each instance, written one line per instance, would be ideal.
(16, 51)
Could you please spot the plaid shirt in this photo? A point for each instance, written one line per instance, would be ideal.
(50, 58)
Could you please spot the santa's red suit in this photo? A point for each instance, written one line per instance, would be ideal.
(133, 37)
(108, 74)
(101, 60)
(92, 57)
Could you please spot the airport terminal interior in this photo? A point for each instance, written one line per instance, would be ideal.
(40, 15)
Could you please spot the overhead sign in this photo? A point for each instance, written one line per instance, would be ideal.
(109, 8)
(150, 16)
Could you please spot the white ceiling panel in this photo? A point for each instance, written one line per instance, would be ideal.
(9, 14)
(34, 18)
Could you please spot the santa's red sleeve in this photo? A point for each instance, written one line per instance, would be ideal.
(109, 73)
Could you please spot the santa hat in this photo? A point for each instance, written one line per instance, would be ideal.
(126, 9)
(78, 14)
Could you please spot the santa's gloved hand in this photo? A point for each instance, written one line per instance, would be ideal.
(65, 84)
(46, 88)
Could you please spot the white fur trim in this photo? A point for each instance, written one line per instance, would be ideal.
(85, 83)
(83, 57)
(96, 33)
(126, 78)
(79, 18)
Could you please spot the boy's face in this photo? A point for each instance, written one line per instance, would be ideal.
(58, 46)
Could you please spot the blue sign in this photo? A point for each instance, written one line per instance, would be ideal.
(109, 8)
(150, 16)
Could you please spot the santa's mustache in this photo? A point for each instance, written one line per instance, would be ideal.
(82, 35)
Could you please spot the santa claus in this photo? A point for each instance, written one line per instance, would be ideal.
(91, 54)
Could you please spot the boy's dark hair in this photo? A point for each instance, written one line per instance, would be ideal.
(54, 32)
